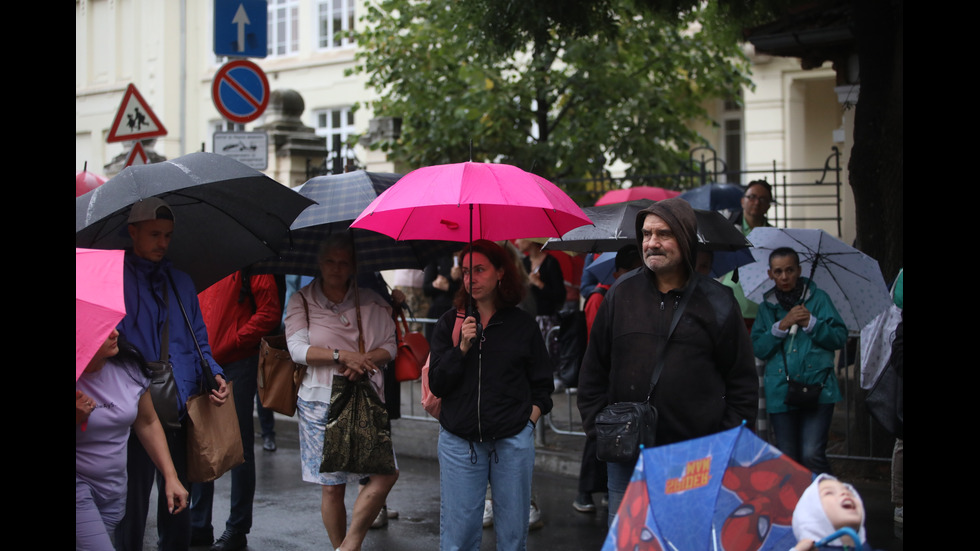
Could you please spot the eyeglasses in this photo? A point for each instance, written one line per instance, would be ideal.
(759, 198)
(336, 310)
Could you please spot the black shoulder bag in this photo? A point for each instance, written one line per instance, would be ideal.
(621, 428)
(163, 387)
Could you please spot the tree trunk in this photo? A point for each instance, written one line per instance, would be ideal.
(876, 165)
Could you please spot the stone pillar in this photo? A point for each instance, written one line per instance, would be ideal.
(292, 145)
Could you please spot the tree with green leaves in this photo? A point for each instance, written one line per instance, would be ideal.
(565, 98)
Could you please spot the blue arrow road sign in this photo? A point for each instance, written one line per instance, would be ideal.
(240, 28)
(240, 91)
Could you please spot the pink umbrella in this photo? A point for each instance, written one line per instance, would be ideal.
(99, 303)
(636, 192)
(86, 181)
(467, 201)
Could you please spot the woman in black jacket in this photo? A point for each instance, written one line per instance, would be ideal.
(492, 372)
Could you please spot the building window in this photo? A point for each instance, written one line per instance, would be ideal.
(336, 125)
(732, 140)
(283, 32)
(334, 16)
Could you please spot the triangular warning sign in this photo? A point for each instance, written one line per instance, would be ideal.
(135, 120)
(137, 156)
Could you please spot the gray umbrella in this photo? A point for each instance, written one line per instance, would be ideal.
(227, 215)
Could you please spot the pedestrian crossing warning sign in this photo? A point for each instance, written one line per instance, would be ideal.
(135, 120)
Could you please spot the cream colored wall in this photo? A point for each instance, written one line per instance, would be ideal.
(790, 118)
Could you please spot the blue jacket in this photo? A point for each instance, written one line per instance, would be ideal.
(810, 355)
(146, 313)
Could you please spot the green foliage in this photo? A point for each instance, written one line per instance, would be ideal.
(562, 98)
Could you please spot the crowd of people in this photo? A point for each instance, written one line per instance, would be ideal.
(492, 366)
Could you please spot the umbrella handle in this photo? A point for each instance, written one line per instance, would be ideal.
(842, 532)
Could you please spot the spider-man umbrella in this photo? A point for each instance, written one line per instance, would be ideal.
(729, 491)
(99, 304)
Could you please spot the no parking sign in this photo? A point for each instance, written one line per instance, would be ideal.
(240, 91)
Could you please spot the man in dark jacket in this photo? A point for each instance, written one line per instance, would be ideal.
(708, 382)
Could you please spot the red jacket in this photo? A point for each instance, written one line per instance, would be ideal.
(235, 328)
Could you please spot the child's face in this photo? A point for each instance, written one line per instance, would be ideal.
(842, 506)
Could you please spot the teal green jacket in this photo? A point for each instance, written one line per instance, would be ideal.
(809, 354)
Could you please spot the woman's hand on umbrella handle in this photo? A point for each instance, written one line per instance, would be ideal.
(84, 406)
(467, 334)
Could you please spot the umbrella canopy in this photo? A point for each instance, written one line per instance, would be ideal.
(227, 215)
(99, 302)
(86, 181)
(715, 197)
(727, 491)
(615, 225)
(602, 267)
(851, 278)
(339, 199)
(634, 193)
(467, 201)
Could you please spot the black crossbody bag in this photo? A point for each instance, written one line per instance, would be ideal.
(621, 428)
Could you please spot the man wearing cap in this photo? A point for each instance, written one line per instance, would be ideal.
(152, 288)
(708, 381)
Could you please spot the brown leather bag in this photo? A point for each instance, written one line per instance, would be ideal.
(279, 375)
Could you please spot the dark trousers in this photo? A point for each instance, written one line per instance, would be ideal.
(267, 420)
(173, 531)
(245, 375)
(592, 476)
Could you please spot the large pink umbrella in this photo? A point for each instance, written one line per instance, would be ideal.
(467, 201)
(634, 193)
(99, 303)
(86, 181)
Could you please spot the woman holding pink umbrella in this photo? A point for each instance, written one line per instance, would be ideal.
(494, 377)
(111, 398)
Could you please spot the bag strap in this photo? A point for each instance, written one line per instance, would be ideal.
(208, 381)
(165, 332)
(673, 325)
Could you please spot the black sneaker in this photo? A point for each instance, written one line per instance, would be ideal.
(584, 504)
(230, 541)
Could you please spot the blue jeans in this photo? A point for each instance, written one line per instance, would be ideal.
(464, 469)
(244, 373)
(802, 435)
(617, 479)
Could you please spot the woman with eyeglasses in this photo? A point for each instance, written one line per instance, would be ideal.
(326, 340)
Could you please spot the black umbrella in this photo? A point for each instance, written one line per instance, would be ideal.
(227, 215)
(340, 198)
(614, 225)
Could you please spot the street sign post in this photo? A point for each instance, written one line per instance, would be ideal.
(249, 148)
(240, 28)
(240, 91)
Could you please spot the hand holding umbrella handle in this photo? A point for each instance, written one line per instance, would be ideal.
(471, 311)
